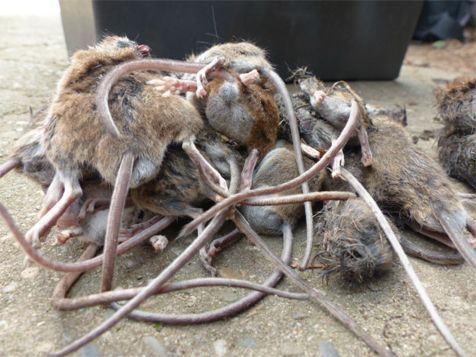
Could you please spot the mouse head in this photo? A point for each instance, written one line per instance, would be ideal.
(89, 64)
(117, 46)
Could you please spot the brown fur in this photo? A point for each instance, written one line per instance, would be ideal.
(408, 184)
(75, 139)
(457, 106)
(406, 179)
(457, 155)
(352, 242)
(178, 189)
(239, 56)
(250, 117)
(457, 141)
(255, 117)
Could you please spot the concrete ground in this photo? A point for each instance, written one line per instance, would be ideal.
(32, 57)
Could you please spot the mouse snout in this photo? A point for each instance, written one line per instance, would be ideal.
(229, 92)
(144, 50)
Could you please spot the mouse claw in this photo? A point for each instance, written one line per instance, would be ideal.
(171, 85)
(202, 74)
(33, 237)
(63, 236)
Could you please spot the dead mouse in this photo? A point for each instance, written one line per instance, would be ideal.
(278, 166)
(236, 98)
(457, 154)
(333, 104)
(242, 110)
(178, 189)
(411, 186)
(76, 141)
(352, 243)
(457, 141)
(456, 104)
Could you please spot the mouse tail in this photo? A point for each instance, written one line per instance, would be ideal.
(455, 224)
(450, 257)
(8, 166)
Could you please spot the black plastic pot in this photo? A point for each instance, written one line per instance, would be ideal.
(350, 40)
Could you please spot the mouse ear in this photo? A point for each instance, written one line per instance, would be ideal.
(250, 77)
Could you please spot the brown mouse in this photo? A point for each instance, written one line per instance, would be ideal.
(75, 139)
(457, 154)
(237, 100)
(243, 111)
(352, 243)
(456, 104)
(412, 186)
(457, 140)
(262, 88)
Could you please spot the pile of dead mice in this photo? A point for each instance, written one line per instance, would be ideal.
(130, 143)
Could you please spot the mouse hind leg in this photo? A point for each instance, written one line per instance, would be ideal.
(65, 189)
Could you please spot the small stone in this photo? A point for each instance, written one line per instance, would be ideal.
(300, 315)
(191, 300)
(291, 349)
(327, 349)
(45, 347)
(3, 324)
(10, 287)
(155, 347)
(227, 296)
(30, 273)
(90, 350)
(176, 250)
(129, 263)
(220, 348)
(247, 342)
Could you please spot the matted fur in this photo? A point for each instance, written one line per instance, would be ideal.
(75, 137)
(352, 241)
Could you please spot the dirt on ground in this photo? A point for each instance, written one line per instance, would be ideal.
(449, 55)
(32, 58)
